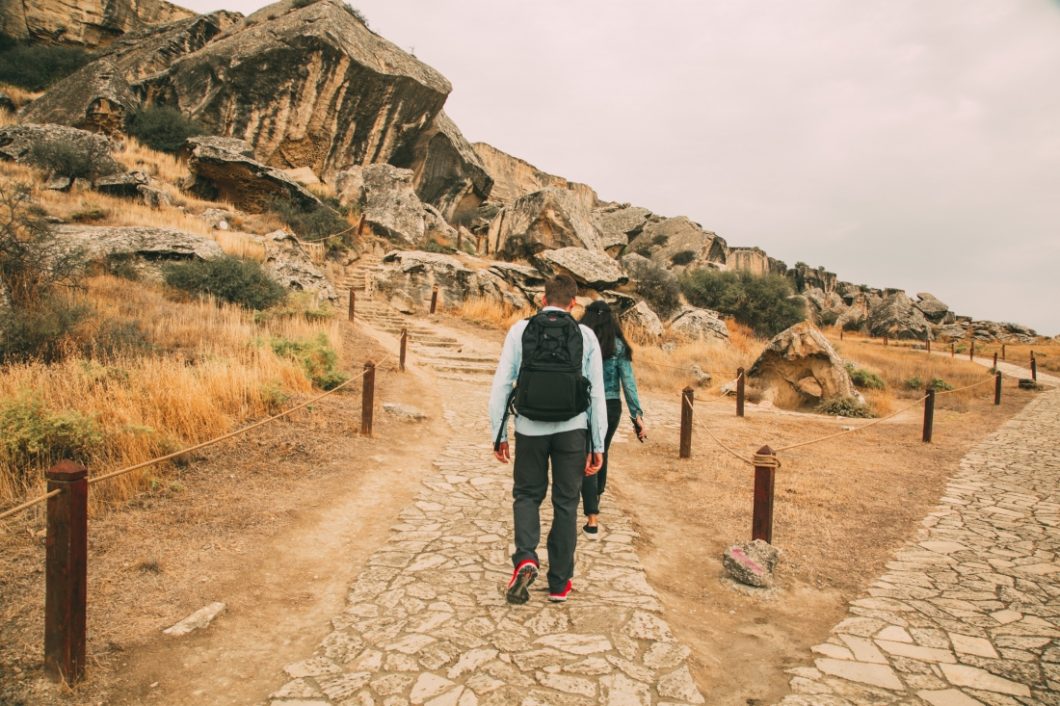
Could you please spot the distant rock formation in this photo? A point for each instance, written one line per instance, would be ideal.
(89, 23)
(514, 178)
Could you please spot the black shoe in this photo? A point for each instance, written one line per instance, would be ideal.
(522, 577)
(591, 531)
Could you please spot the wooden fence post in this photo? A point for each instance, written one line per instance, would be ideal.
(953, 349)
(353, 304)
(971, 350)
(995, 360)
(929, 414)
(997, 388)
(885, 342)
(367, 398)
(840, 334)
(687, 398)
(1034, 368)
(1002, 351)
(765, 476)
(929, 345)
(459, 240)
(404, 347)
(739, 391)
(434, 299)
(66, 573)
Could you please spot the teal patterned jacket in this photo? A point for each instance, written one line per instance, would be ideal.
(618, 373)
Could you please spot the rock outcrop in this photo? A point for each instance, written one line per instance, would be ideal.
(589, 269)
(408, 278)
(514, 178)
(90, 23)
(524, 278)
(152, 244)
(701, 324)
(680, 242)
(930, 306)
(387, 199)
(223, 171)
(898, 317)
(644, 319)
(799, 367)
(548, 219)
(618, 224)
(753, 260)
(291, 266)
(17, 143)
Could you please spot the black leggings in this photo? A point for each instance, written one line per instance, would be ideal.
(593, 486)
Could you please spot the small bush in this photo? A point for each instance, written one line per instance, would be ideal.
(914, 383)
(162, 128)
(89, 159)
(319, 224)
(299, 4)
(763, 303)
(122, 265)
(643, 250)
(845, 407)
(230, 279)
(657, 287)
(32, 437)
(36, 67)
(317, 358)
(865, 379)
(43, 332)
(89, 215)
(435, 246)
(357, 14)
(660, 239)
(683, 258)
(940, 385)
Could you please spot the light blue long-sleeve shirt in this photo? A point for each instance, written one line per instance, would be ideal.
(508, 372)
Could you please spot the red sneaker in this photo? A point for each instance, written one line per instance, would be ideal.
(522, 577)
(559, 597)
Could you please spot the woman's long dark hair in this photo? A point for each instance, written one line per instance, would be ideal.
(598, 317)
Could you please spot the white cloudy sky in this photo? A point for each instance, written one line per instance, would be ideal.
(899, 143)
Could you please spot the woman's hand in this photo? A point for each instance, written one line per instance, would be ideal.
(642, 429)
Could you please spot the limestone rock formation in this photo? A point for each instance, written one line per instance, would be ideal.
(291, 266)
(126, 185)
(930, 306)
(799, 367)
(898, 317)
(804, 277)
(644, 319)
(387, 199)
(90, 23)
(514, 178)
(618, 223)
(680, 242)
(550, 218)
(409, 276)
(17, 142)
(223, 171)
(590, 269)
(702, 324)
(753, 260)
(524, 278)
(153, 244)
(826, 307)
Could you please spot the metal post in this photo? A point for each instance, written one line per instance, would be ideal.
(66, 573)
(762, 519)
(739, 392)
(404, 347)
(687, 399)
(353, 304)
(368, 398)
(434, 299)
(929, 414)
(997, 388)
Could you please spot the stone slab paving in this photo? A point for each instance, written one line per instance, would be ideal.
(969, 612)
(427, 622)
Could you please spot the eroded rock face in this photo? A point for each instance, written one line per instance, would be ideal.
(618, 223)
(753, 260)
(680, 242)
(149, 243)
(514, 178)
(524, 278)
(548, 219)
(409, 276)
(222, 171)
(800, 368)
(17, 142)
(898, 317)
(826, 307)
(695, 323)
(387, 199)
(643, 318)
(290, 265)
(805, 277)
(90, 23)
(930, 306)
(590, 269)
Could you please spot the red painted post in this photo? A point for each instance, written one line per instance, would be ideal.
(765, 477)
(997, 388)
(687, 399)
(404, 347)
(434, 299)
(368, 398)
(353, 304)
(739, 391)
(929, 415)
(66, 573)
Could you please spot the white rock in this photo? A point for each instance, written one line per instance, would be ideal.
(197, 620)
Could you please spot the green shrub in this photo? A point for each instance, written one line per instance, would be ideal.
(32, 437)
(36, 67)
(435, 246)
(763, 303)
(229, 279)
(43, 332)
(940, 385)
(325, 223)
(643, 250)
(865, 379)
(87, 159)
(162, 128)
(914, 383)
(682, 258)
(356, 13)
(317, 358)
(122, 265)
(657, 287)
(660, 239)
(845, 407)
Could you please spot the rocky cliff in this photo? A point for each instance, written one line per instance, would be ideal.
(89, 23)
(514, 178)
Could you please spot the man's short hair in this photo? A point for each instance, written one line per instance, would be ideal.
(560, 290)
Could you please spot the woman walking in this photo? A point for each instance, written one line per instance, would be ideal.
(618, 373)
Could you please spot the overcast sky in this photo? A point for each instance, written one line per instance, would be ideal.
(899, 143)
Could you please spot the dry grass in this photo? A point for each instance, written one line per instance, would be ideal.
(211, 369)
(490, 314)
(1047, 354)
(671, 370)
(157, 165)
(19, 95)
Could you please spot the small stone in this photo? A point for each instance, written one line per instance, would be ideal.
(752, 563)
(894, 634)
(196, 621)
(924, 654)
(405, 412)
(314, 667)
(567, 684)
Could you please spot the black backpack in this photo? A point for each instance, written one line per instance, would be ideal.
(550, 386)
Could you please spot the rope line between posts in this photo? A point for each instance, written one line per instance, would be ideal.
(688, 369)
(718, 441)
(216, 440)
(873, 423)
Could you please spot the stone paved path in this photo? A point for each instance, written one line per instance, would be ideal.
(969, 613)
(427, 622)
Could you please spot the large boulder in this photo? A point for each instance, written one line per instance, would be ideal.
(898, 317)
(387, 199)
(290, 265)
(753, 260)
(799, 367)
(826, 307)
(153, 244)
(590, 269)
(619, 223)
(17, 143)
(223, 171)
(930, 306)
(698, 324)
(524, 278)
(514, 178)
(90, 23)
(408, 278)
(547, 219)
(680, 242)
(642, 318)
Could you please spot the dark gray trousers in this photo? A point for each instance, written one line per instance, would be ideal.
(566, 451)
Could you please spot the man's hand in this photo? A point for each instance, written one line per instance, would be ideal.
(593, 463)
(501, 452)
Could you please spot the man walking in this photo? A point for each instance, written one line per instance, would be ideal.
(556, 368)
